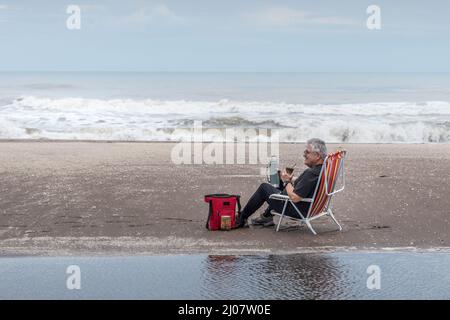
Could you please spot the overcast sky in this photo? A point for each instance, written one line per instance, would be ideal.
(228, 35)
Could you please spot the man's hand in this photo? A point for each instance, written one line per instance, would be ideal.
(285, 177)
(292, 195)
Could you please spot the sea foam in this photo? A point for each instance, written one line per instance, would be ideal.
(30, 117)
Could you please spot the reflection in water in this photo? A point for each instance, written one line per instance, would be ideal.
(296, 276)
(326, 276)
(272, 277)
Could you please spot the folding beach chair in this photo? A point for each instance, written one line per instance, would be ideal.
(332, 169)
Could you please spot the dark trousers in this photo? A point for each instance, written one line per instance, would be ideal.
(262, 195)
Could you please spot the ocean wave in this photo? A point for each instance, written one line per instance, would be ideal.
(233, 121)
(30, 117)
(224, 106)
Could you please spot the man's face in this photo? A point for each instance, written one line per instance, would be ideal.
(312, 158)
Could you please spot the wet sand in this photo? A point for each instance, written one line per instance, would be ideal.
(99, 198)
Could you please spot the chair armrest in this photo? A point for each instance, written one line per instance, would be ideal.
(285, 197)
(279, 196)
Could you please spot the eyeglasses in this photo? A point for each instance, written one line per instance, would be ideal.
(306, 152)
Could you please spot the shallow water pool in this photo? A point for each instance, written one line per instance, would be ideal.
(295, 276)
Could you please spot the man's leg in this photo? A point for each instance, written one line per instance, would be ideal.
(261, 195)
(266, 218)
(273, 204)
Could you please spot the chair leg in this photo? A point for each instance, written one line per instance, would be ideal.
(310, 227)
(281, 217)
(330, 213)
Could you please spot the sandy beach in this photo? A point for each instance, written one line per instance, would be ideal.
(99, 198)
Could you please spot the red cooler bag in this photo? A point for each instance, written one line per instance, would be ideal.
(222, 211)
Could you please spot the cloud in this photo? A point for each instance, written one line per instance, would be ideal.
(3, 7)
(288, 17)
(159, 14)
(93, 7)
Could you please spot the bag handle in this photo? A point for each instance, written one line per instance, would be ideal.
(219, 195)
(209, 215)
(238, 199)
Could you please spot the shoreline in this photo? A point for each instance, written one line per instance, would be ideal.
(130, 246)
(60, 198)
(40, 140)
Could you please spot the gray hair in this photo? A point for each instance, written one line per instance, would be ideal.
(318, 145)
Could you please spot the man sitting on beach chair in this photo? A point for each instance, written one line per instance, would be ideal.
(296, 188)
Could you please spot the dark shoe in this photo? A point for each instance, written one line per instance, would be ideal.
(240, 224)
(262, 220)
(269, 224)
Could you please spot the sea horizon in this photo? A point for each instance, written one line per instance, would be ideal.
(351, 107)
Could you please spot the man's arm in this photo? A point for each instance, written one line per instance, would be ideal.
(292, 195)
(289, 188)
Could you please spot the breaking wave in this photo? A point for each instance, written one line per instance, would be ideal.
(31, 117)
